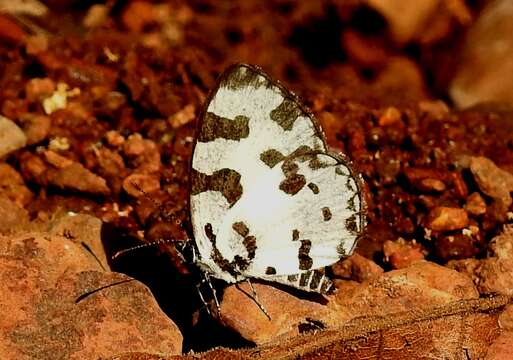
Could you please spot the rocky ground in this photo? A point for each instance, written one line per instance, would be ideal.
(97, 97)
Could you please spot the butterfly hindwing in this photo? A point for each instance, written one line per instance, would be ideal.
(267, 201)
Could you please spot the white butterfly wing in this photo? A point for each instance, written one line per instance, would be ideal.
(261, 192)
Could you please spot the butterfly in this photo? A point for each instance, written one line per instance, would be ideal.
(268, 200)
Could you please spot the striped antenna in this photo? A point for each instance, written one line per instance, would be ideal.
(137, 247)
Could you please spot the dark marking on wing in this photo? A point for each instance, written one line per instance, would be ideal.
(243, 76)
(349, 184)
(295, 235)
(315, 163)
(305, 261)
(303, 279)
(314, 188)
(286, 113)
(271, 157)
(216, 255)
(339, 171)
(292, 278)
(249, 243)
(241, 228)
(341, 250)
(326, 213)
(303, 153)
(270, 271)
(238, 261)
(215, 126)
(351, 225)
(226, 181)
(316, 279)
(326, 286)
(350, 203)
(293, 181)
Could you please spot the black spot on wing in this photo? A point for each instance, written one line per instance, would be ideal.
(214, 127)
(326, 213)
(286, 114)
(351, 224)
(226, 181)
(240, 228)
(305, 261)
(316, 279)
(295, 235)
(304, 277)
(314, 188)
(349, 184)
(249, 243)
(292, 278)
(271, 157)
(293, 182)
(270, 271)
(242, 76)
(339, 171)
(326, 286)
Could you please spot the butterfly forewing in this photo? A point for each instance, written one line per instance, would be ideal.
(266, 199)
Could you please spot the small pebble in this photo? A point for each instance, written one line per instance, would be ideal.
(442, 218)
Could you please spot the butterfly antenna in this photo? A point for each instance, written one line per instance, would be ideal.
(155, 203)
(142, 246)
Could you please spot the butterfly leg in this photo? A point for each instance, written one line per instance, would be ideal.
(203, 301)
(256, 300)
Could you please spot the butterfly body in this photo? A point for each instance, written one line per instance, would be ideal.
(268, 200)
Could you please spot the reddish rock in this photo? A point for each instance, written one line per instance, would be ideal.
(12, 217)
(138, 15)
(56, 160)
(456, 246)
(96, 16)
(38, 89)
(485, 60)
(111, 163)
(12, 137)
(401, 254)
(13, 187)
(475, 205)
(36, 127)
(434, 108)
(459, 185)
(142, 153)
(357, 267)
(390, 117)
(442, 218)
(501, 347)
(495, 273)
(506, 318)
(183, 117)
(406, 21)
(82, 229)
(421, 285)
(429, 185)
(44, 279)
(71, 175)
(114, 138)
(77, 177)
(10, 31)
(138, 185)
(493, 181)
(36, 44)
